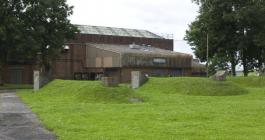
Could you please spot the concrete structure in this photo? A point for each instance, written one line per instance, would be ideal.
(105, 51)
(138, 79)
(220, 75)
(36, 83)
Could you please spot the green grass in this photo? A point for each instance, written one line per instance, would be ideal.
(251, 82)
(14, 86)
(83, 92)
(173, 108)
(193, 86)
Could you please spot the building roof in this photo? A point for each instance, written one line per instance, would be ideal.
(112, 31)
(137, 50)
(196, 64)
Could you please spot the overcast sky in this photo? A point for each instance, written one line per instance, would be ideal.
(158, 16)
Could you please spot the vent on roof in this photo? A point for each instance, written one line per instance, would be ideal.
(134, 46)
(143, 47)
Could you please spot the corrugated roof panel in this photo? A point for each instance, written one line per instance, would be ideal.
(87, 29)
(139, 32)
(134, 33)
(148, 34)
(106, 31)
(100, 30)
(124, 31)
(113, 31)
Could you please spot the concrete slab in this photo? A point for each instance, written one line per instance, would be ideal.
(17, 122)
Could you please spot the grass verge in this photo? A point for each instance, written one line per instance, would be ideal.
(251, 81)
(14, 86)
(78, 110)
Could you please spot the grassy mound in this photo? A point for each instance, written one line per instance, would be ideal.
(251, 81)
(83, 91)
(193, 86)
(166, 113)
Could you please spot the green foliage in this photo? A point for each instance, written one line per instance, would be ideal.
(235, 29)
(29, 26)
(217, 63)
(165, 114)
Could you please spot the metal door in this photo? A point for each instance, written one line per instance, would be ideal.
(16, 76)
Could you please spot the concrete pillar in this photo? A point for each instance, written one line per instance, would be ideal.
(36, 76)
(136, 79)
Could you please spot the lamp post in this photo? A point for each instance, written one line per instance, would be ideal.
(207, 56)
(209, 6)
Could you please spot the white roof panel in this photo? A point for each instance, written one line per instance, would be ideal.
(100, 30)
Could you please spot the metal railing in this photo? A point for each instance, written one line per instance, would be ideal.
(166, 36)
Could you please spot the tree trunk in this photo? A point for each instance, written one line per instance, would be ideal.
(233, 67)
(245, 71)
(260, 65)
(233, 63)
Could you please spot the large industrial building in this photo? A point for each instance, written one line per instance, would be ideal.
(106, 51)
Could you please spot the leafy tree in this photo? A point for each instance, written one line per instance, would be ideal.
(218, 63)
(31, 27)
(10, 31)
(233, 29)
(47, 24)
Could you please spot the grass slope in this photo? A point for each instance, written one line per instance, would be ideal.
(252, 81)
(193, 86)
(83, 92)
(74, 111)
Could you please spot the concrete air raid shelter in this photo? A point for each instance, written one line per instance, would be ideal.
(106, 51)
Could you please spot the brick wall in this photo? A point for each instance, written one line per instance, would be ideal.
(25, 75)
(167, 44)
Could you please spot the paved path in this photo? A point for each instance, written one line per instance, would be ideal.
(17, 122)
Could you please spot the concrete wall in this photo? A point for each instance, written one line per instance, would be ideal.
(138, 79)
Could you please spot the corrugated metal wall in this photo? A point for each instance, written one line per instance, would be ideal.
(141, 60)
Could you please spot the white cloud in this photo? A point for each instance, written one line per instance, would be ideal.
(158, 16)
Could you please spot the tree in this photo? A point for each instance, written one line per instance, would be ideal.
(218, 63)
(233, 29)
(31, 27)
(215, 21)
(47, 24)
(10, 30)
